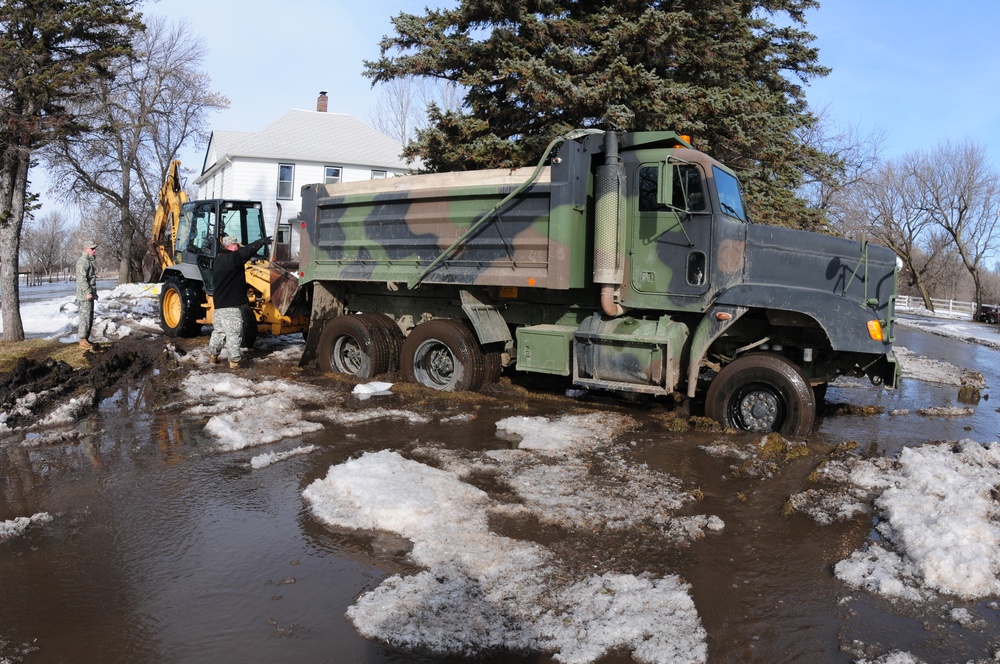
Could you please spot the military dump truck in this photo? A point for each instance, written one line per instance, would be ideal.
(183, 245)
(623, 261)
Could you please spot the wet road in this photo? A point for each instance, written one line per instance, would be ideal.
(164, 549)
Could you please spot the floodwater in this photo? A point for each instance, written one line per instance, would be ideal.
(164, 549)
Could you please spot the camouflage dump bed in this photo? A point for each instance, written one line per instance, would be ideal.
(393, 230)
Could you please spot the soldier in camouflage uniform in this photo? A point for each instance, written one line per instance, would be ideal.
(86, 293)
(230, 297)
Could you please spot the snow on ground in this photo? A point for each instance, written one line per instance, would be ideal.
(119, 312)
(936, 371)
(268, 458)
(15, 527)
(964, 329)
(939, 522)
(560, 483)
(480, 591)
(245, 413)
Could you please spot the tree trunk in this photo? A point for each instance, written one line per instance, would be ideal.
(13, 187)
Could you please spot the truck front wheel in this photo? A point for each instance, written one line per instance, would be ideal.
(353, 344)
(443, 354)
(762, 392)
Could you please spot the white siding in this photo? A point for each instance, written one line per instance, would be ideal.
(257, 180)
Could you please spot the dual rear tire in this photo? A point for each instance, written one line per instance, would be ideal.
(443, 354)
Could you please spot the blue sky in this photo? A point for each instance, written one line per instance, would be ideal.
(921, 71)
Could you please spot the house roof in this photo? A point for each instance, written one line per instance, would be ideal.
(309, 136)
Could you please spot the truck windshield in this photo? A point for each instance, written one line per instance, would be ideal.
(729, 194)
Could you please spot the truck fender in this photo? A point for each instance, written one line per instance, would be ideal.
(844, 321)
(717, 320)
(187, 270)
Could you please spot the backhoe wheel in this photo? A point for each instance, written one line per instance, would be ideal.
(249, 327)
(353, 344)
(180, 307)
(445, 355)
(762, 392)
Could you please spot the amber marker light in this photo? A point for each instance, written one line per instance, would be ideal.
(531, 281)
(875, 330)
(722, 315)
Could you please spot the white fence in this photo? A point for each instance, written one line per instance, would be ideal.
(942, 308)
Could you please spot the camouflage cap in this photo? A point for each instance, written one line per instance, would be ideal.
(228, 240)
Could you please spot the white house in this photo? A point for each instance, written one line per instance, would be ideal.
(301, 147)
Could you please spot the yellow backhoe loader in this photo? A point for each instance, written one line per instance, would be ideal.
(183, 245)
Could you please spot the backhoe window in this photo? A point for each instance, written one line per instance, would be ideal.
(197, 228)
(243, 221)
(729, 194)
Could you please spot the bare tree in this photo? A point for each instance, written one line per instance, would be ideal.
(960, 193)
(855, 157)
(44, 242)
(51, 56)
(395, 108)
(403, 103)
(886, 205)
(159, 102)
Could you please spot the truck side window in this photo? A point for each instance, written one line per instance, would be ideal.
(687, 183)
(688, 194)
(649, 177)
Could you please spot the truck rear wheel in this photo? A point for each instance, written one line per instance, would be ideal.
(353, 344)
(391, 334)
(180, 308)
(443, 354)
(762, 392)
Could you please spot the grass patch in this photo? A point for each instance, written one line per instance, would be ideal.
(40, 349)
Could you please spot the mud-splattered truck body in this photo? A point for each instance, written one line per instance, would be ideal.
(626, 263)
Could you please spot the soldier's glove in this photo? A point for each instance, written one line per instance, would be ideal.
(268, 240)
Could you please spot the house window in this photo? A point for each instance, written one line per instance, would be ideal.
(286, 173)
(378, 175)
(331, 174)
(284, 234)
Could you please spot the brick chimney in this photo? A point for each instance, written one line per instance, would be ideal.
(321, 102)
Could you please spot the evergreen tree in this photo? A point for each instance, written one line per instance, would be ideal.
(51, 51)
(729, 73)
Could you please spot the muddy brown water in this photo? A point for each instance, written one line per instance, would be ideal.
(164, 549)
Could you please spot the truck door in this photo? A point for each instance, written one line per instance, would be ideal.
(670, 243)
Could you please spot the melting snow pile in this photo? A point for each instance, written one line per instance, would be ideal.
(940, 521)
(15, 527)
(480, 591)
(245, 413)
(561, 486)
(265, 460)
